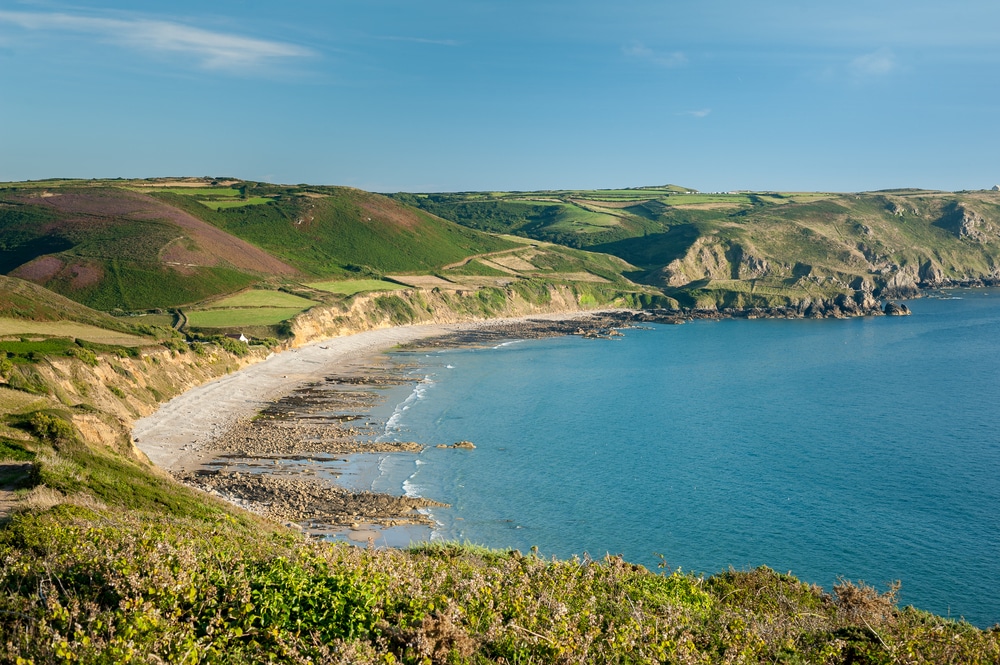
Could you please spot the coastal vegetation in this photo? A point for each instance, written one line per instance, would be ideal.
(107, 559)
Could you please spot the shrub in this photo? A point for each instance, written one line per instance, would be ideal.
(85, 355)
(233, 346)
(51, 428)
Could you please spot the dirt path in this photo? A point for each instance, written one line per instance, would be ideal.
(12, 477)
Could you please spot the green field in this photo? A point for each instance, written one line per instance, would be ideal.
(352, 286)
(261, 298)
(238, 203)
(238, 318)
(161, 320)
(696, 199)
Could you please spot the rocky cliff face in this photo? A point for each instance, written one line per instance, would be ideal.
(374, 311)
(110, 396)
(967, 223)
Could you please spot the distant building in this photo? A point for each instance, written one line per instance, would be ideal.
(996, 188)
(239, 337)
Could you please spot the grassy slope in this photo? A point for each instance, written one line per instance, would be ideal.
(104, 255)
(339, 231)
(108, 260)
(806, 240)
(26, 301)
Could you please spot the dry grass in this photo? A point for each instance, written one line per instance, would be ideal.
(71, 329)
(511, 262)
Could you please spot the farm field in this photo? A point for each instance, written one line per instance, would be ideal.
(350, 287)
(237, 318)
(235, 203)
(71, 329)
(473, 282)
(261, 298)
(215, 192)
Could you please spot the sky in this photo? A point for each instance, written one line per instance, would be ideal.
(463, 95)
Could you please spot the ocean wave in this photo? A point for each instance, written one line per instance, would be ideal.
(411, 489)
(510, 343)
(419, 391)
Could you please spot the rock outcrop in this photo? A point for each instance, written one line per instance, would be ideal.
(904, 283)
(896, 309)
(968, 224)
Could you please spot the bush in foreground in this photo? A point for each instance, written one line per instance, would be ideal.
(79, 585)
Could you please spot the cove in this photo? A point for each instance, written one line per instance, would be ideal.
(864, 448)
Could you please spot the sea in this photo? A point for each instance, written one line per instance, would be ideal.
(864, 449)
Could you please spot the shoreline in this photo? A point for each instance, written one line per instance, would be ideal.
(271, 438)
(222, 438)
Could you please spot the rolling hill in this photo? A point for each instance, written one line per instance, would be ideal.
(747, 249)
(139, 245)
(135, 245)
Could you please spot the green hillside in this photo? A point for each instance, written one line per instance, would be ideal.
(330, 231)
(110, 248)
(139, 245)
(134, 245)
(756, 248)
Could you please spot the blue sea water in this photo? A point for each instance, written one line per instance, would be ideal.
(867, 449)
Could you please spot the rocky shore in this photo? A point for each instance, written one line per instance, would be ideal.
(308, 502)
(265, 462)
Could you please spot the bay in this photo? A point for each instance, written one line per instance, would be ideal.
(865, 449)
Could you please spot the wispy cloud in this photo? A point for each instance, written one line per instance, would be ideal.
(876, 63)
(210, 49)
(423, 40)
(700, 113)
(642, 52)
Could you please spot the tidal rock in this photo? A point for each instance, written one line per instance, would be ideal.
(896, 309)
(468, 445)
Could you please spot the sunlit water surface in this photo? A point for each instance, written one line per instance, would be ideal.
(864, 449)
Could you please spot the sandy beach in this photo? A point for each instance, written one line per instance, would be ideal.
(253, 437)
(180, 435)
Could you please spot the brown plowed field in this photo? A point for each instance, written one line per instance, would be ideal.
(131, 205)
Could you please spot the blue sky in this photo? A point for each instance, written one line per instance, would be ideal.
(444, 95)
